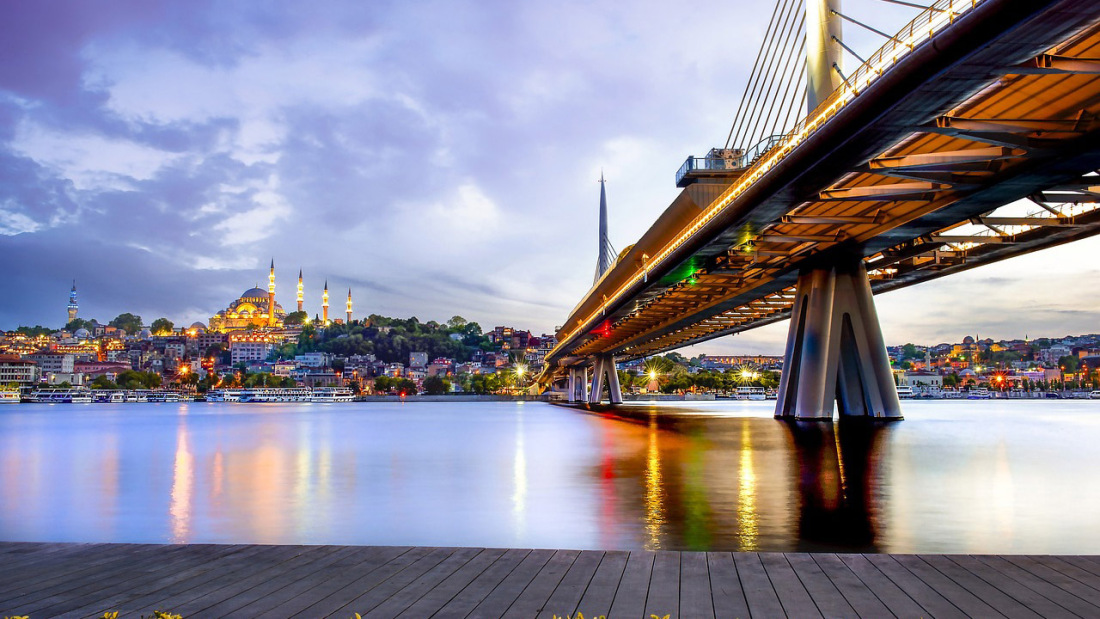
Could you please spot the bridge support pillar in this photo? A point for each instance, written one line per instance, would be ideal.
(578, 385)
(835, 351)
(605, 365)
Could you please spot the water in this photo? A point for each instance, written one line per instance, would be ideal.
(955, 476)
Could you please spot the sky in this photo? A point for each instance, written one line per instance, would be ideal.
(437, 158)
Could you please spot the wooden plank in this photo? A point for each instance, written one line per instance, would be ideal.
(288, 574)
(1014, 589)
(68, 568)
(345, 587)
(538, 591)
(630, 597)
(467, 600)
(1003, 603)
(862, 600)
(52, 595)
(121, 596)
(934, 603)
(826, 596)
(1060, 573)
(563, 601)
(696, 599)
(266, 563)
(438, 596)
(759, 593)
(402, 599)
(792, 594)
(391, 585)
(600, 593)
(171, 588)
(569, 592)
(889, 593)
(725, 587)
(1062, 597)
(951, 591)
(505, 594)
(664, 586)
(1085, 565)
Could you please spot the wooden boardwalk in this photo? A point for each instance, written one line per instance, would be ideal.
(85, 580)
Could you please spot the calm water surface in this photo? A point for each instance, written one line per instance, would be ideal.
(955, 476)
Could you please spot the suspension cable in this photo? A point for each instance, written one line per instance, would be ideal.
(787, 74)
(850, 51)
(759, 105)
(863, 25)
(755, 65)
(915, 6)
(764, 78)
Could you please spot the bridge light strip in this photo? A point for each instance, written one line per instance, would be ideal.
(938, 16)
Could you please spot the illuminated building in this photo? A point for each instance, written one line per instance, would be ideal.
(72, 303)
(244, 347)
(300, 296)
(255, 308)
(324, 305)
(349, 306)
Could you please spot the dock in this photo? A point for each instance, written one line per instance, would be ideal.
(43, 580)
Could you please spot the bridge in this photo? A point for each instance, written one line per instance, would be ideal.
(970, 137)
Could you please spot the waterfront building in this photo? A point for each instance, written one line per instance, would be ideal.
(14, 369)
(246, 347)
(441, 366)
(418, 360)
(50, 362)
(312, 359)
(72, 303)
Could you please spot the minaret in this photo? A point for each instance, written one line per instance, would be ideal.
(72, 303)
(299, 290)
(349, 306)
(324, 305)
(271, 296)
(606, 252)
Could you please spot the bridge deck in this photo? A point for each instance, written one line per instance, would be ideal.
(85, 580)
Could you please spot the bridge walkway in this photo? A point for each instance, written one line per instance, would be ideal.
(204, 580)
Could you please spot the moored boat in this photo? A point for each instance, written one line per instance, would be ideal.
(332, 394)
(70, 395)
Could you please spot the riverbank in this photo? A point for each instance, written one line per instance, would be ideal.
(204, 580)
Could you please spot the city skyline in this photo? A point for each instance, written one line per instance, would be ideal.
(160, 154)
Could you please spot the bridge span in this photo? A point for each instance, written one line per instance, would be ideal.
(897, 177)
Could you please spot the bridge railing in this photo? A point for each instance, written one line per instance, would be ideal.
(746, 159)
(921, 29)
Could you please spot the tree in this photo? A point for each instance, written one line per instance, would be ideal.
(436, 385)
(34, 331)
(79, 323)
(102, 382)
(457, 323)
(162, 326)
(128, 322)
(1069, 363)
(406, 386)
(296, 318)
(383, 384)
(909, 351)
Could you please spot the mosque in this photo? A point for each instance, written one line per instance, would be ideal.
(257, 309)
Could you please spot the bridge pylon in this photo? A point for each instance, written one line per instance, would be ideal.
(604, 369)
(577, 384)
(835, 351)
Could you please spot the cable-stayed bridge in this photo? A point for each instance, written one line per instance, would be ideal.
(900, 173)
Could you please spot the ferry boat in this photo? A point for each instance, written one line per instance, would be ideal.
(751, 393)
(163, 396)
(905, 392)
(264, 394)
(112, 397)
(223, 395)
(62, 396)
(979, 394)
(1094, 395)
(332, 394)
(137, 396)
(9, 396)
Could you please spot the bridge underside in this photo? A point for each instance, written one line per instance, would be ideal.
(908, 176)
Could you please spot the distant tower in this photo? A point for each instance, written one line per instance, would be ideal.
(300, 290)
(324, 305)
(72, 303)
(349, 306)
(271, 296)
(607, 252)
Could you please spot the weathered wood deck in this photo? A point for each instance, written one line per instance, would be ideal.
(84, 580)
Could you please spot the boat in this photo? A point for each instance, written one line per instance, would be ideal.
(751, 393)
(163, 396)
(9, 396)
(332, 394)
(112, 397)
(1094, 395)
(140, 395)
(980, 393)
(62, 396)
(265, 394)
(905, 392)
(223, 395)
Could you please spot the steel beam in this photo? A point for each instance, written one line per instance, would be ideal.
(1049, 63)
(881, 192)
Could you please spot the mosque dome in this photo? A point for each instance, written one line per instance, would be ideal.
(82, 334)
(198, 326)
(254, 293)
(146, 334)
(968, 340)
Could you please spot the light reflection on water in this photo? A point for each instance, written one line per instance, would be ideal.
(1003, 477)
